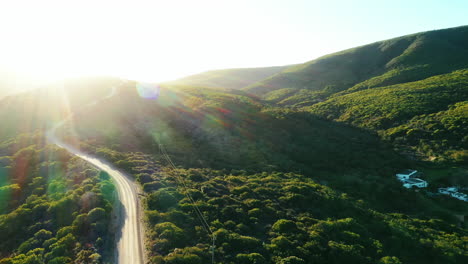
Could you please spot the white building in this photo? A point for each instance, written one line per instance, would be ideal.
(460, 196)
(406, 174)
(414, 182)
(453, 191)
(407, 177)
(447, 190)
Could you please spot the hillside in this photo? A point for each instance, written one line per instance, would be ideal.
(38, 109)
(386, 87)
(12, 83)
(228, 78)
(422, 113)
(254, 171)
(54, 208)
(202, 126)
(273, 217)
(233, 131)
(296, 168)
(275, 185)
(399, 60)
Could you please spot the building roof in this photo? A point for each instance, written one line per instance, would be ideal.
(462, 195)
(449, 189)
(407, 171)
(414, 181)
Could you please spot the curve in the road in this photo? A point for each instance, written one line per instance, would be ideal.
(129, 243)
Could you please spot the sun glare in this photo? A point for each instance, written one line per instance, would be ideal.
(141, 40)
(161, 40)
(59, 39)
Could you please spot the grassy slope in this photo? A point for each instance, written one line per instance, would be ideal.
(229, 78)
(404, 59)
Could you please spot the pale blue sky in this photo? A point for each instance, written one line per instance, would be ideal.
(339, 24)
(162, 40)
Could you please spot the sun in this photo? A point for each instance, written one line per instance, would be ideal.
(149, 41)
(53, 40)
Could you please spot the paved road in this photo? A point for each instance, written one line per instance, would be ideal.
(129, 240)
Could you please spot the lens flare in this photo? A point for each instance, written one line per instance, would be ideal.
(148, 90)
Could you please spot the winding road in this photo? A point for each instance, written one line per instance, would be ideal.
(129, 237)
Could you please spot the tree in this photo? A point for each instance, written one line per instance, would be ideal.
(389, 260)
(161, 200)
(96, 214)
(251, 258)
(42, 235)
(169, 236)
(284, 226)
(183, 259)
(292, 260)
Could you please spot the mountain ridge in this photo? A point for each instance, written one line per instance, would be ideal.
(411, 57)
(235, 78)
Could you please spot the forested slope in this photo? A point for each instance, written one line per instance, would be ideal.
(53, 208)
(276, 217)
(217, 129)
(275, 185)
(396, 112)
(386, 87)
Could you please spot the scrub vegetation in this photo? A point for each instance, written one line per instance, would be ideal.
(54, 208)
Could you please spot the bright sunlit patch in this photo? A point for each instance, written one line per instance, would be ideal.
(148, 90)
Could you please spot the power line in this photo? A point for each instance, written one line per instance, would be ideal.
(181, 182)
(185, 187)
(206, 226)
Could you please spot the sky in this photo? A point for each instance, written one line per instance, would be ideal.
(156, 41)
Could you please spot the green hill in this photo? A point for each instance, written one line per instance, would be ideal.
(283, 218)
(203, 128)
(387, 106)
(399, 60)
(228, 78)
(386, 87)
(219, 129)
(429, 115)
(303, 173)
(54, 208)
(239, 159)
